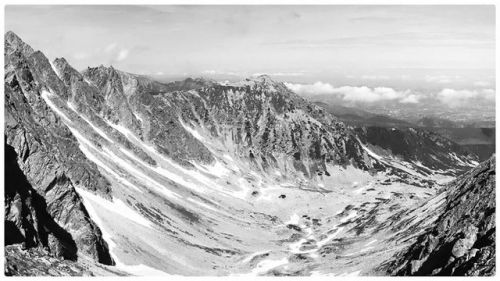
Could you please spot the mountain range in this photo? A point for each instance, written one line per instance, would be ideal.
(474, 138)
(112, 173)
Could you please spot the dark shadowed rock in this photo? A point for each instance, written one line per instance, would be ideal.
(44, 164)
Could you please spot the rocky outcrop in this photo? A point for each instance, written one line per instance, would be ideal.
(39, 262)
(29, 119)
(462, 241)
(35, 261)
(44, 164)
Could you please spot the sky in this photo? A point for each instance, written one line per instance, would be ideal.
(417, 48)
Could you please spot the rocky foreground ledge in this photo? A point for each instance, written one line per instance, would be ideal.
(462, 241)
(39, 262)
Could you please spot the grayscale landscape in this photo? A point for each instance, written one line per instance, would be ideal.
(249, 140)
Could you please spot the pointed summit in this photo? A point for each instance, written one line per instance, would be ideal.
(15, 43)
(265, 81)
(10, 36)
(262, 78)
(61, 61)
(65, 71)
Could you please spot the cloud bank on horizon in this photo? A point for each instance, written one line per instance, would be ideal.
(364, 94)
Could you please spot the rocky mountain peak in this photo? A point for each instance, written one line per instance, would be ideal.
(101, 69)
(61, 62)
(103, 74)
(263, 85)
(65, 71)
(13, 43)
(264, 80)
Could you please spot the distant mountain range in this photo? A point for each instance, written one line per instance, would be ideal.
(478, 140)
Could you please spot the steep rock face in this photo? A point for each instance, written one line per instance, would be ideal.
(462, 241)
(27, 76)
(89, 105)
(131, 98)
(261, 120)
(266, 122)
(116, 93)
(53, 221)
(41, 204)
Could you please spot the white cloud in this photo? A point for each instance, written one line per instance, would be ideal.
(410, 99)
(366, 94)
(482, 83)
(354, 94)
(123, 54)
(115, 53)
(455, 98)
(317, 88)
(489, 94)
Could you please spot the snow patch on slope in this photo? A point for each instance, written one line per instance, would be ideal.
(46, 97)
(108, 169)
(371, 153)
(99, 131)
(294, 219)
(266, 265)
(139, 269)
(117, 207)
(55, 69)
(192, 131)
